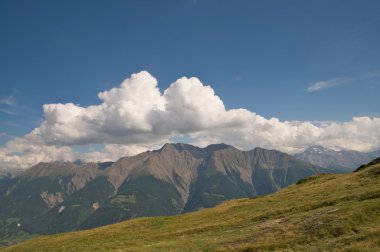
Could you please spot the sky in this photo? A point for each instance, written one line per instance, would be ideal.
(97, 80)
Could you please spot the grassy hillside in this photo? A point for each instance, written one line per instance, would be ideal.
(325, 212)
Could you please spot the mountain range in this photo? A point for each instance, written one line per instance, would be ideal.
(327, 212)
(178, 178)
(337, 161)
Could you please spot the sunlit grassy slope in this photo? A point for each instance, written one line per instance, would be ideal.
(325, 212)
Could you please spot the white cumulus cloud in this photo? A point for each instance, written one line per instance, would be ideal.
(136, 116)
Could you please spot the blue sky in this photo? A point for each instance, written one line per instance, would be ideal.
(258, 55)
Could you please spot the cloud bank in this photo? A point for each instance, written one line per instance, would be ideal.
(136, 116)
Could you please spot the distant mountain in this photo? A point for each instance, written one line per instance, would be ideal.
(374, 154)
(329, 212)
(6, 175)
(336, 161)
(62, 196)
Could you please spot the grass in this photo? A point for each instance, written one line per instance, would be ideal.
(325, 213)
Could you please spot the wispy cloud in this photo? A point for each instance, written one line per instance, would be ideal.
(8, 111)
(325, 84)
(9, 105)
(12, 124)
(319, 85)
(9, 101)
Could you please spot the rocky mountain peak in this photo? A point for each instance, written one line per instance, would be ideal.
(168, 147)
(221, 146)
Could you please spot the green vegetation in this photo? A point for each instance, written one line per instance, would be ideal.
(11, 232)
(325, 213)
